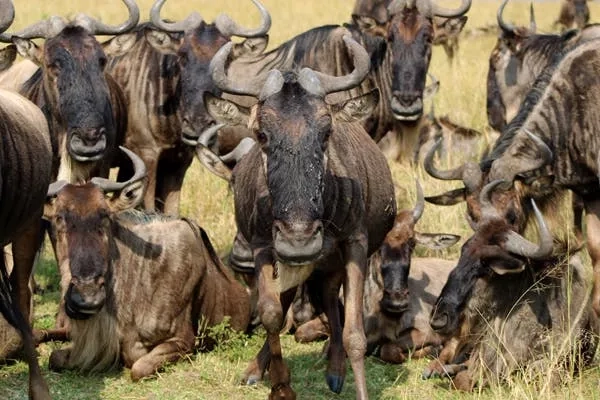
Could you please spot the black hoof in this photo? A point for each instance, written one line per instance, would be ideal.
(335, 383)
(252, 380)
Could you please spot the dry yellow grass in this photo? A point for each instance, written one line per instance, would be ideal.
(207, 200)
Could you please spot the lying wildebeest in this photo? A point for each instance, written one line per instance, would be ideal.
(400, 291)
(163, 70)
(25, 167)
(517, 306)
(406, 35)
(135, 284)
(314, 197)
(573, 12)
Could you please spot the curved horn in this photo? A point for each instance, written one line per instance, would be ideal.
(42, 29)
(509, 28)
(229, 27)
(455, 174)
(8, 14)
(55, 187)
(331, 84)
(99, 28)
(488, 211)
(192, 21)
(139, 173)
(239, 151)
(222, 81)
(449, 13)
(206, 137)
(532, 24)
(417, 212)
(517, 244)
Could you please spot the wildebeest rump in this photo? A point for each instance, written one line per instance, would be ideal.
(25, 166)
(315, 196)
(136, 285)
(163, 69)
(515, 303)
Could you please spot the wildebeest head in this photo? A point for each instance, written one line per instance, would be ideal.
(396, 254)
(81, 217)
(75, 88)
(493, 250)
(292, 124)
(408, 33)
(194, 50)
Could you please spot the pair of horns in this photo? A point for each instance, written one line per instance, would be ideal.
(108, 186)
(224, 23)
(54, 25)
(267, 84)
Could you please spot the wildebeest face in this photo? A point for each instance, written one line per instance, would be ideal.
(76, 90)
(396, 255)
(410, 37)
(82, 225)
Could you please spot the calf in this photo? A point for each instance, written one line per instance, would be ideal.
(134, 285)
(515, 303)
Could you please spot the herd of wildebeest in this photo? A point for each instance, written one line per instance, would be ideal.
(304, 134)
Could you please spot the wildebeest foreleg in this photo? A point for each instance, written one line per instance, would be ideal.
(355, 341)
(169, 351)
(336, 369)
(150, 158)
(592, 219)
(176, 161)
(25, 248)
(311, 331)
(436, 367)
(271, 316)
(38, 389)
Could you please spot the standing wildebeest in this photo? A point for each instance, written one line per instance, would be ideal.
(314, 197)
(400, 51)
(573, 12)
(514, 303)
(83, 105)
(113, 262)
(163, 70)
(25, 166)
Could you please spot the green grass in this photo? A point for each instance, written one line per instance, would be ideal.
(206, 199)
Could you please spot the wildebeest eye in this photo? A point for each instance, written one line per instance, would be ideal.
(261, 137)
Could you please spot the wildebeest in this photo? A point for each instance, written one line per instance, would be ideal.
(573, 12)
(516, 305)
(25, 166)
(314, 197)
(400, 291)
(112, 262)
(163, 69)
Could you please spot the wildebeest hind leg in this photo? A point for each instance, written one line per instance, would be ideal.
(354, 338)
(169, 351)
(38, 389)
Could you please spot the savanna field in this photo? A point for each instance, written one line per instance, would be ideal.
(206, 199)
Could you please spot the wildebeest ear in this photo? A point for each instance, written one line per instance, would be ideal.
(7, 56)
(119, 45)
(28, 49)
(129, 197)
(226, 111)
(162, 41)
(431, 90)
(449, 198)
(357, 108)
(453, 26)
(436, 241)
(369, 25)
(250, 47)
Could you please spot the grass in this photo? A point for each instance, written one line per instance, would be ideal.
(215, 375)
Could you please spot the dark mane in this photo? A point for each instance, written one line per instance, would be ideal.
(143, 217)
(32, 82)
(530, 101)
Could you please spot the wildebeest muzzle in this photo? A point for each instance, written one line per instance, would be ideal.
(84, 298)
(299, 243)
